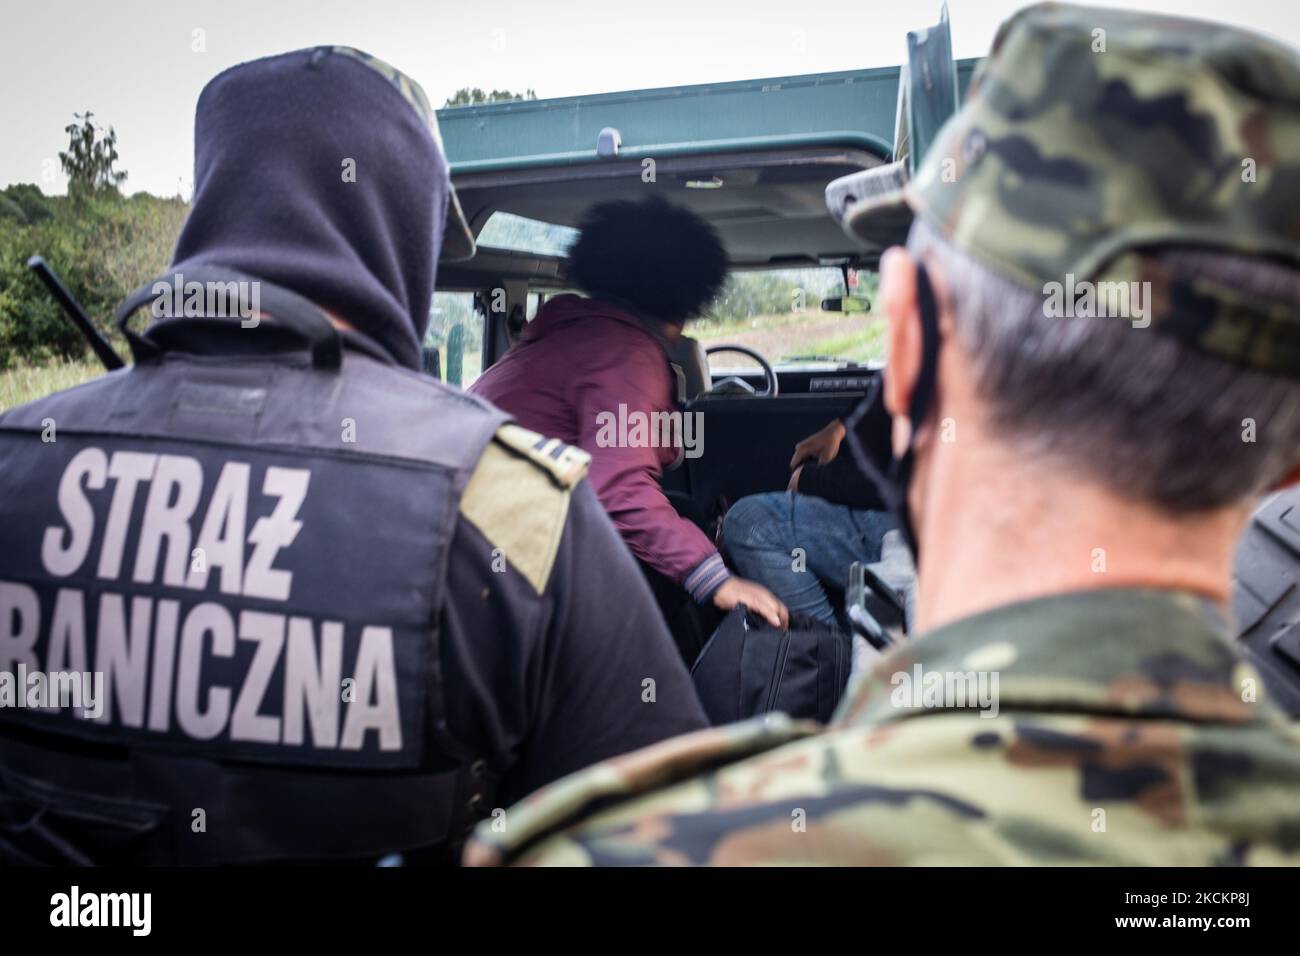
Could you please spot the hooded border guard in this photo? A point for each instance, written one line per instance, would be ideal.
(327, 608)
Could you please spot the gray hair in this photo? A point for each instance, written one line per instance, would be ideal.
(1146, 415)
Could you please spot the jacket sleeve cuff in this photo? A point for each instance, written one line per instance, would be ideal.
(707, 577)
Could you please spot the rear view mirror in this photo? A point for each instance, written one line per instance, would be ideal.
(846, 304)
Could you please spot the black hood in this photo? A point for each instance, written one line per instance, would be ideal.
(313, 171)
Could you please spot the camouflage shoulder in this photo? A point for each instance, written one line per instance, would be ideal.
(568, 801)
(518, 498)
(950, 789)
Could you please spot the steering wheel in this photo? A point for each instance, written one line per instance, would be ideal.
(772, 389)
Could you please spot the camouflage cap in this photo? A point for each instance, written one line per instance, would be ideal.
(1090, 136)
(458, 240)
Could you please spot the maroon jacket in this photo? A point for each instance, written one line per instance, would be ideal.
(580, 358)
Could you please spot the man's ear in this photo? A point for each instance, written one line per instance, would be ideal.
(902, 311)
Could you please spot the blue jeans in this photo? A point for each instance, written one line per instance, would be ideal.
(762, 533)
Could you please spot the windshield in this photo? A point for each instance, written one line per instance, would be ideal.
(778, 314)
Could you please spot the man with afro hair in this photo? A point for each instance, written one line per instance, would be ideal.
(646, 268)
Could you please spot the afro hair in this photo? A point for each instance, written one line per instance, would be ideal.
(658, 258)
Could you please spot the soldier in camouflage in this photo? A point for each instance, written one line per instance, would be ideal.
(1085, 469)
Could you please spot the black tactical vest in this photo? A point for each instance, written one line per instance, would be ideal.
(250, 549)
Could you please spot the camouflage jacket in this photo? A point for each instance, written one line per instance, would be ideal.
(1107, 727)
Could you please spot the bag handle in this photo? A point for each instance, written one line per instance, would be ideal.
(283, 308)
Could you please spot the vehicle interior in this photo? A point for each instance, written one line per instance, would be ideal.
(768, 206)
(769, 209)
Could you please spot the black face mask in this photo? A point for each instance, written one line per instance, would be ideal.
(893, 482)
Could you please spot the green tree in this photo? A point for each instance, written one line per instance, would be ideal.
(24, 203)
(11, 210)
(103, 246)
(471, 96)
(91, 155)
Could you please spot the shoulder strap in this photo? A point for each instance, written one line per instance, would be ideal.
(518, 497)
(565, 464)
(282, 307)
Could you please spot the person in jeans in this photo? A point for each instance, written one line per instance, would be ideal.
(801, 542)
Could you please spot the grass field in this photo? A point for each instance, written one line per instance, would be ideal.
(782, 338)
(28, 382)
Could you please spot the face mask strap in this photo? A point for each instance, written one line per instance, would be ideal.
(923, 395)
(894, 484)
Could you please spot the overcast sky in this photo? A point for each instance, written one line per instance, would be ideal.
(134, 63)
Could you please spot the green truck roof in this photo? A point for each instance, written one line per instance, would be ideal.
(853, 107)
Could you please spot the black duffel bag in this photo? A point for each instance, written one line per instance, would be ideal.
(749, 667)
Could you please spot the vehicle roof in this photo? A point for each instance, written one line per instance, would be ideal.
(847, 108)
(774, 143)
